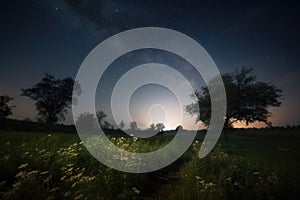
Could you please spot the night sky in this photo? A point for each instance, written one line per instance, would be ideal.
(55, 36)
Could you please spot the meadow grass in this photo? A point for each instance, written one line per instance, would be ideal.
(252, 164)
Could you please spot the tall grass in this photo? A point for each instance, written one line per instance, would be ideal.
(57, 166)
(223, 176)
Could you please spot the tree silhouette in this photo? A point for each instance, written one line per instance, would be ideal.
(248, 100)
(152, 127)
(86, 119)
(107, 125)
(5, 109)
(122, 124)
(133, 126)
(52, 97)
(101, 116)
(160, 126)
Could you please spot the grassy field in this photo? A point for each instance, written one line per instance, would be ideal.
(252, 164)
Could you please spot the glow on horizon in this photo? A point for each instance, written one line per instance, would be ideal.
(153, 103)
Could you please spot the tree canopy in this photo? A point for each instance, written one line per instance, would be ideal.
(121, 124)
(160, 126)
(133, 126)
(248, 100)
(101, 116)
(52, 97)
(5, 109)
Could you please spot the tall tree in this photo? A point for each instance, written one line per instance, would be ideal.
(248, 100)
(5, 109)
(52, 97)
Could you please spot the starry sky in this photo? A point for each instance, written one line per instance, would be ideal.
(39, 36)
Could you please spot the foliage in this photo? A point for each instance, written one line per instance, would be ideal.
(5, 109)
(57, 166)
(223, 176)
(122, 124)
(248, 100)
(52, 97)
(86, 120)
(101, 116)
(22, 125)
(152, 127)
(160, 126)
(133, 126)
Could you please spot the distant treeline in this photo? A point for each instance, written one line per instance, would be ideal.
(19, 125)
(23, 125)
